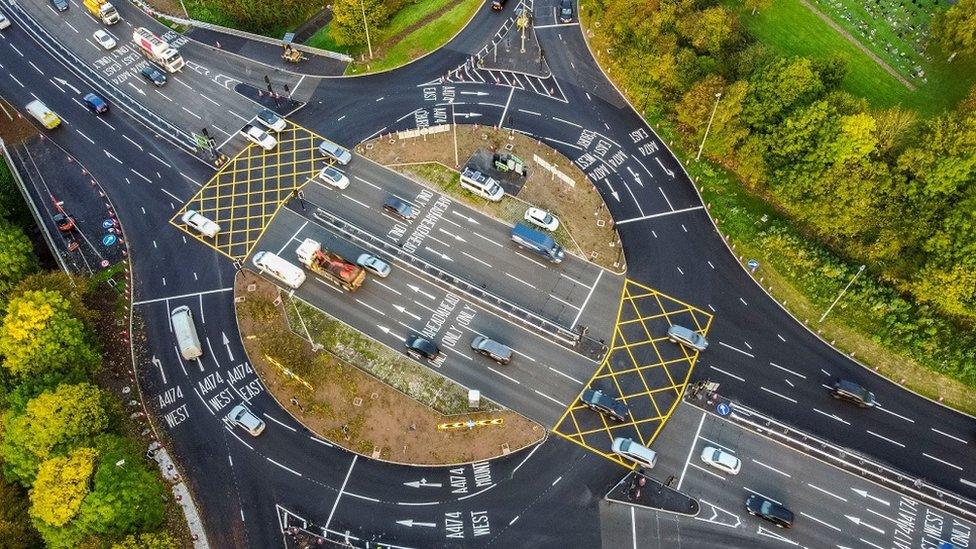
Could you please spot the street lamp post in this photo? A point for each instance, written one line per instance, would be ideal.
(362, 5)
(718, 97)
(842, 292)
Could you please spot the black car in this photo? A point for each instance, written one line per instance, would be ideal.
(566, 11)
(60, 5)
(400, 209)
(422, 348)
(64, 222)
(95, 103)
(769, 510)
(852, 392)
(153, 74)
(498, 5)
(595, 399)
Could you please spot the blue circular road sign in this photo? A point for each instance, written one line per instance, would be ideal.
(109, 240)
(107, 223)
(723, 409)
(752, 264)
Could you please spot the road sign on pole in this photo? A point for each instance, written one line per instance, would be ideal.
(723, 409)
(753, 265)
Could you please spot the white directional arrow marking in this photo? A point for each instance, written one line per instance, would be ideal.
(865, 494)
(667, 171)
(422, 482)
(419, 291)
(223, 338)
(136, 88)
(388, 332)
(859, 522)
(444, 256)
(406, 312)
(470, 219)
(474, 93)
(468, 114)
(110, 155)
(613, 192)
(454, 236)
(636, 176)
(410, 523)
(64, 82)
(159, 364)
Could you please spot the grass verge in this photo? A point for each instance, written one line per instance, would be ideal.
(355, 392)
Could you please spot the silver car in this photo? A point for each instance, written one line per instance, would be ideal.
(688, 338)
(374, 265)
(251, 423)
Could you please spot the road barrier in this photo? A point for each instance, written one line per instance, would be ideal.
(83, 71)
(470, 424)
(526, 318)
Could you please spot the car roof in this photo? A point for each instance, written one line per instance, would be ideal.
(266, 114)
(421, 343)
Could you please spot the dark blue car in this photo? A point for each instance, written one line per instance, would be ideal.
(95, 103)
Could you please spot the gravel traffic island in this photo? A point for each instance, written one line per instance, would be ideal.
(361, 395)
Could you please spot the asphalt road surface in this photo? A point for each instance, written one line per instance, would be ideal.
(249, 488)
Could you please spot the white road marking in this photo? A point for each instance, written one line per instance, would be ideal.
(527, 258)
(717, 369)
(781, 338)
(549, 397)
(882, 437)
(942, 461)
(341, 490)
(289, 427)
(510, 378)
(85, 136)
(375, 186)
(815, 519)
(662, 214)
(691, 450)
(831, 416)
(505, 111)
(289, 469)
(910, 420)
(394, 290)
(787, 370)
(826, 492)
(529, 112)
(777, 394)
(587, 300)
(722, 343)
(567, 376)
(943, 433)
(760, 494)
(771, 468)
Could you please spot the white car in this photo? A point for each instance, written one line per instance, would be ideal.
(251, 423)
(105, 39)
(542, 218)
(721, 460)
(334, 177)
(259, 137)
(201, 223)
(374, 265)
(271, 120)
(4, 22)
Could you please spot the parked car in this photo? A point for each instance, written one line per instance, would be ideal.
(259, 137)
(566, 11)
(542, 218)
(206, 226)
(95, 103)
(334, 177)
(105, 39)
(688, 338)
(243, 417)
(271, 120)
(599, 401)
(721, 460)
(154, 74)
(374, 265)
(401, 209)
(419, 347)
(60, 5)
(498, 5)
(770, 510)
(852, 392)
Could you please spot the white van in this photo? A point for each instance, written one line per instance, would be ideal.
(627, 448)
(338, 152)
(288, 273)
(44, 115)
(186, 333)
(482, 185)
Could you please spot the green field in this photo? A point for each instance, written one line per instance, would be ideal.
(792, 29)
(390, 43)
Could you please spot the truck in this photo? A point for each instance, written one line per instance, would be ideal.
(186, 333)
(330, 265)
(157, 50)
(103, 10)
(537, 241)
(44, 115)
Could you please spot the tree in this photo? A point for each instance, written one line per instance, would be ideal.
(779, 87)
(40, 335)
(955, 28)
(61, 486)
(709, 30)
(695, 109)
(71, 287)
(894, 128)
(17, 259)
(52, 423)
(125, 496)
(948, 279)
(148, 540)
(269, 17)
(347, 20)
(16, 530)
